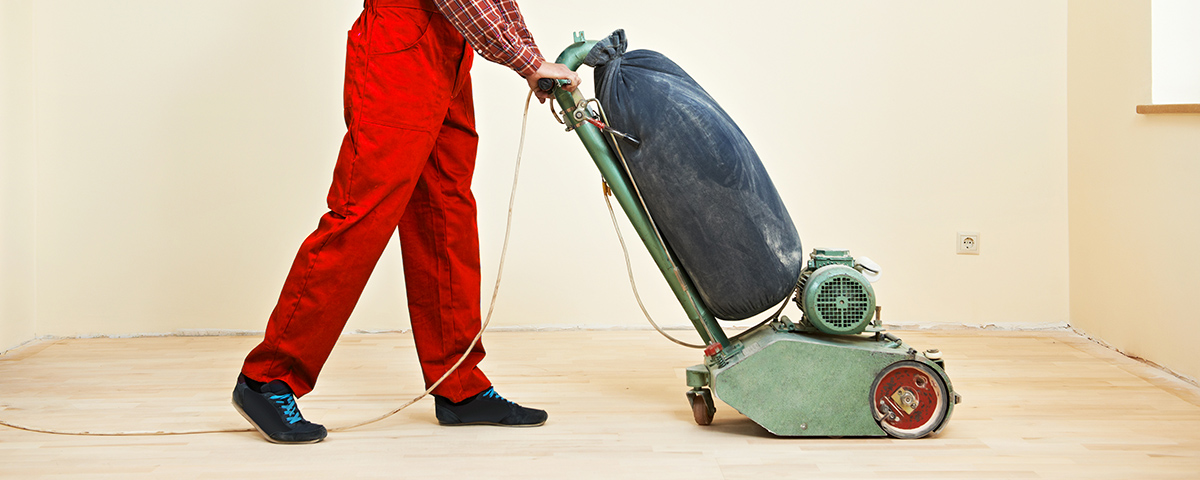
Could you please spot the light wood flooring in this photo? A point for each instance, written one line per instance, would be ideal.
(1042, 404)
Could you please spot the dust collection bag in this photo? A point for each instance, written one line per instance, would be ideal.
(701, 180)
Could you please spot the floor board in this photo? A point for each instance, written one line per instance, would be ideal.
(1043, 404)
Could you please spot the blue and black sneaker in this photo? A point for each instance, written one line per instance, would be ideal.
(271, 408)
(486, 408)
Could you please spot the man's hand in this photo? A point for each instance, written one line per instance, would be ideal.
(555, 71)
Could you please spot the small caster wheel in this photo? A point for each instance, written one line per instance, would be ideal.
(703, 407)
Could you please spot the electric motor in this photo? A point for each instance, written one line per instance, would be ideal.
(835, 296)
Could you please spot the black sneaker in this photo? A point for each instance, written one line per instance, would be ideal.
(273, 412)
(486, 408)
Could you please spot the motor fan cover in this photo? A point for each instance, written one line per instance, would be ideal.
(837, 299)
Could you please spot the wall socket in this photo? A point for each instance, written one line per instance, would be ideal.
(968, 243)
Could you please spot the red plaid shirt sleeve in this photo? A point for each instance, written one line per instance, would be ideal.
(495, 29)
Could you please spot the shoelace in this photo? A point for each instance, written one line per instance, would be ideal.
(491, 393)
(288, 403)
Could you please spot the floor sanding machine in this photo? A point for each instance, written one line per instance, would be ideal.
(835, 371)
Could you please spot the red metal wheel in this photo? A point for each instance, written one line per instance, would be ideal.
(908, 399)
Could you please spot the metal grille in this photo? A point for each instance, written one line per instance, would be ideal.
(842, 302)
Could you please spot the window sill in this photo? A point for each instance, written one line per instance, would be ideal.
(1169, 108)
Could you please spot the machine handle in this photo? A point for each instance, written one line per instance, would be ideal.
(547, 84)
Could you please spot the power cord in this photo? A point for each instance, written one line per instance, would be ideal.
(632, 283)
(629, 269)
(487, 319)
(495, 291)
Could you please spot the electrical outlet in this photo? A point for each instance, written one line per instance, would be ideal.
(968, 243)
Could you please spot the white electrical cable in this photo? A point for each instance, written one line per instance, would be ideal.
(636, 295)
(487, 319)
(657, 234)
(620, 154)
(495, 291)
(632, 283)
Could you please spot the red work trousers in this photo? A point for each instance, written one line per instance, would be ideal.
(406, 163)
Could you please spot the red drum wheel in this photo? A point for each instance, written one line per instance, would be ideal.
(908, 399)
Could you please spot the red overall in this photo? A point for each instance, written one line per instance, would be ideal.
(406, 163)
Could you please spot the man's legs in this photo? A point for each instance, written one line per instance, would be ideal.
(326, 279)
(395, 102)
(409, 130)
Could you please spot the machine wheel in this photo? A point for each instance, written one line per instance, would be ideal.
(703, 407)
(909, 399)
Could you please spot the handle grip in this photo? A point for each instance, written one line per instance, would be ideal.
(547, 84)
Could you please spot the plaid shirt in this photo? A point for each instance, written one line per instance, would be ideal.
(496, 30)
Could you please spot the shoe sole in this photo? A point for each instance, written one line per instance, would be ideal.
(264, 434)
(492, 424)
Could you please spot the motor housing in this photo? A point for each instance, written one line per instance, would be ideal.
(834, 295)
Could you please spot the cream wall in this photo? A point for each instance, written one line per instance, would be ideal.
(184, 149)
(18, 174)
(1134, 202)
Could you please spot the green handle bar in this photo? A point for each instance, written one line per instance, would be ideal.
(614, 175)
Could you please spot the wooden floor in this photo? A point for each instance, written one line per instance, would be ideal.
(1046, 404)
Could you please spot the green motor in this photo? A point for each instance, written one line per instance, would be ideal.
(835, 292)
